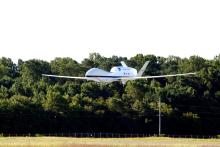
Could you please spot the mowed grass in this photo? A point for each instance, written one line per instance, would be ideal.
(107, 142)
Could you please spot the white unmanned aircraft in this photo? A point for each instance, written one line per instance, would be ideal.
(118, 73)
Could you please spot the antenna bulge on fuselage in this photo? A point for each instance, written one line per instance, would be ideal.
(123, 71)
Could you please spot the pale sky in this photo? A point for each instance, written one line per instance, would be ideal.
(45, 29)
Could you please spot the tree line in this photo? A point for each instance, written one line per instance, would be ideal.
(30, 103)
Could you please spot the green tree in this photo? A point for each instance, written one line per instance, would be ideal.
(31, 70)
(54, 101)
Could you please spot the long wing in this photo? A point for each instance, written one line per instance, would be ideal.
(68, 77)
(98, 79)
(160, 76)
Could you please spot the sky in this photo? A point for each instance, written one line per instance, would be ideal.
(45, 29)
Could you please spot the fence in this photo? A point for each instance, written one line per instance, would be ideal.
(107, 135)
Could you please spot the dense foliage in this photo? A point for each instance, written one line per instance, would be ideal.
(30, 103)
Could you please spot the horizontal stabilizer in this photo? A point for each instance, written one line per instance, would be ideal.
(123, 64)
(140, 73)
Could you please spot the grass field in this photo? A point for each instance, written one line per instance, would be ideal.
(107, 142)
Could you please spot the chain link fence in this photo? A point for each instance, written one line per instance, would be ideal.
(106, 135)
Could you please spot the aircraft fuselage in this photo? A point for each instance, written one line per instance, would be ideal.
(116, 72)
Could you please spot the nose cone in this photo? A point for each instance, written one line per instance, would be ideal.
(92, 71)
(95, 72)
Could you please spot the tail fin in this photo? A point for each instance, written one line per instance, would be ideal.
(123, 64)
(140, 73)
